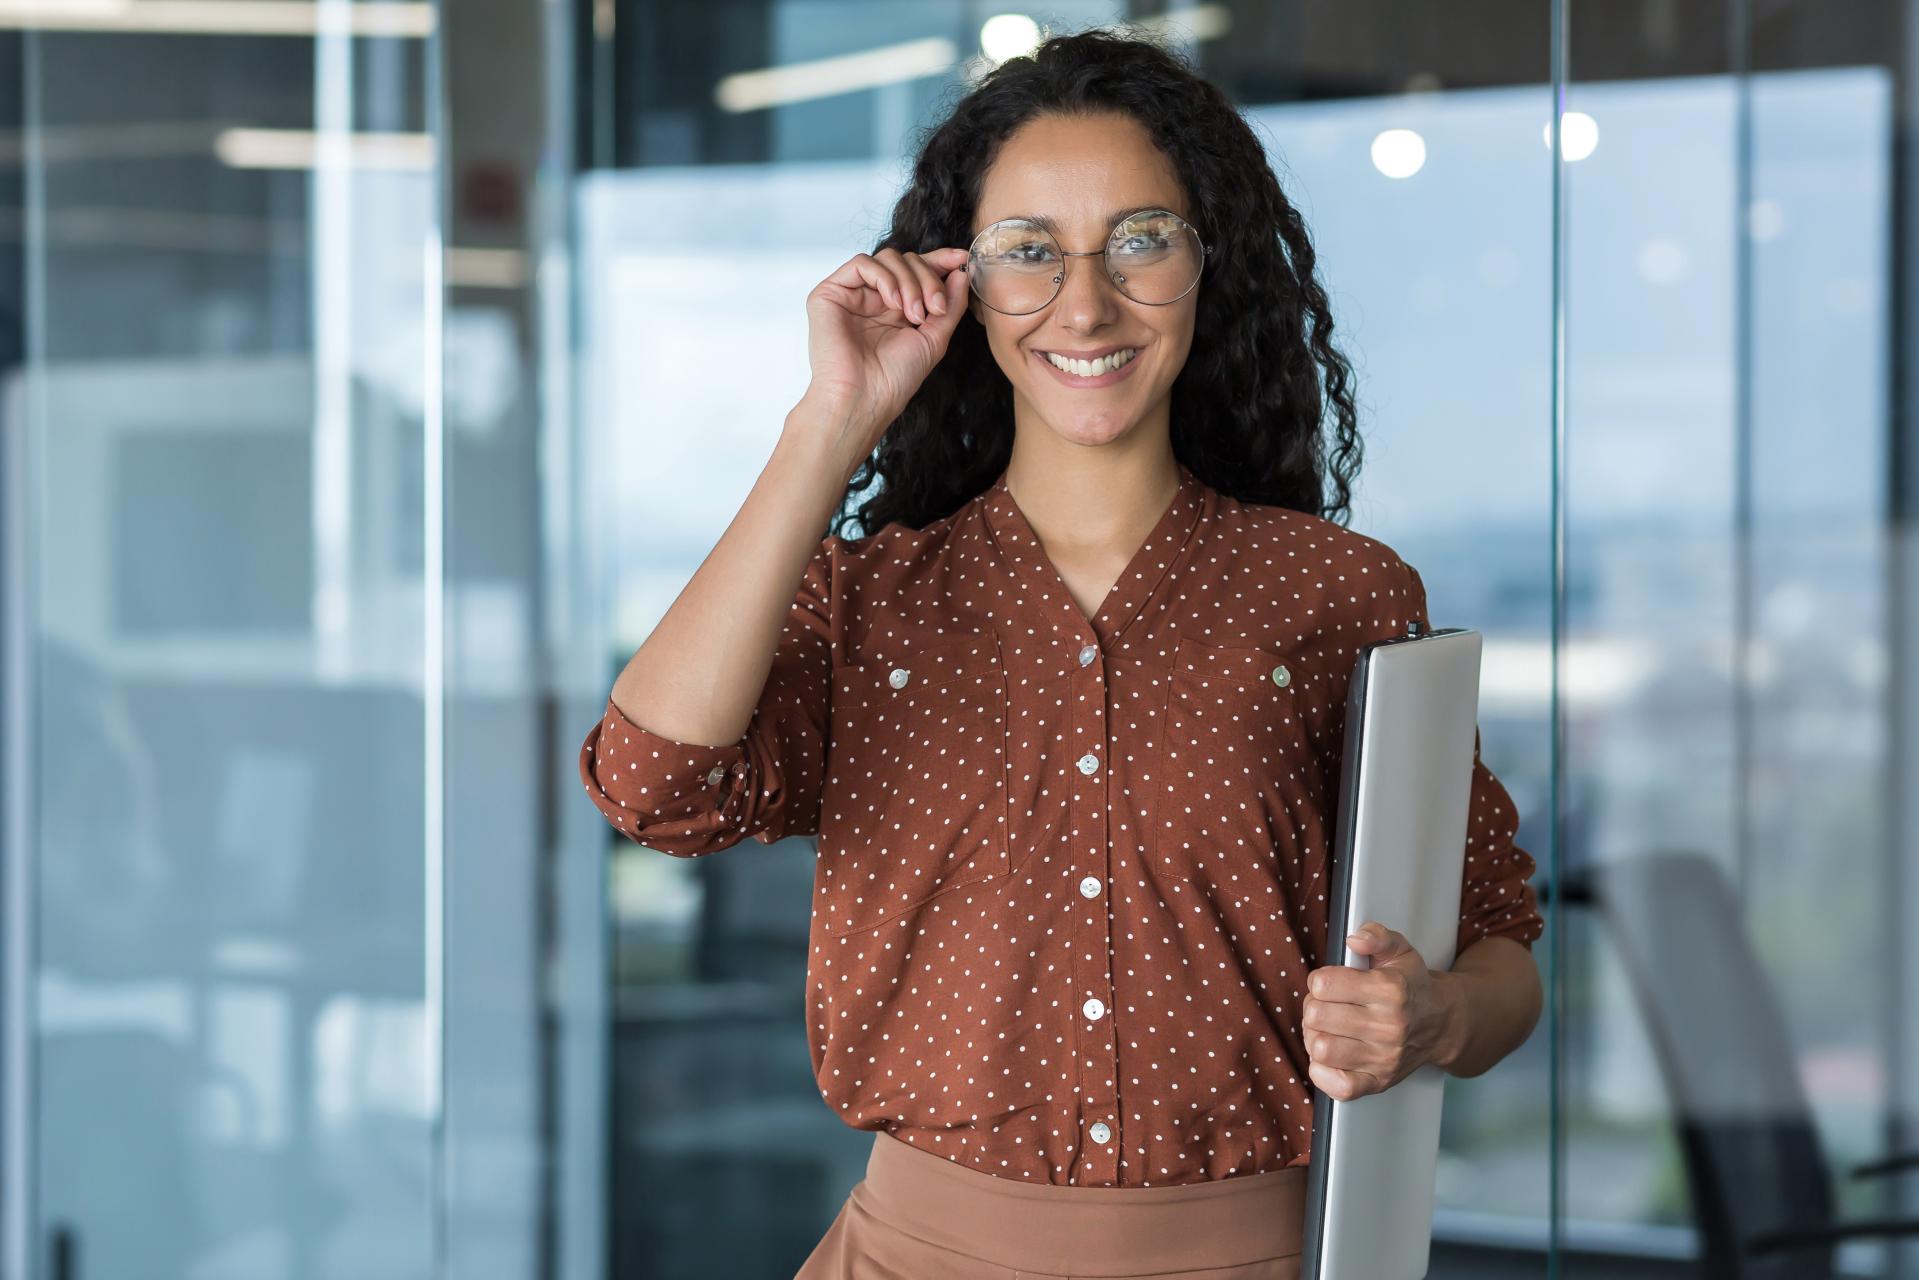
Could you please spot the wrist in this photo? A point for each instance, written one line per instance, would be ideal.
(833, 415)
(826, 440)
(1449, 991)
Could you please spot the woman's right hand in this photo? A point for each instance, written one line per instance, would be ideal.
(876, 328)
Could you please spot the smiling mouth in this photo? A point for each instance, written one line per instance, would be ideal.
(1105, 371)
(1092, 368)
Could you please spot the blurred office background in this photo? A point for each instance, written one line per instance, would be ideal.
(370, 384)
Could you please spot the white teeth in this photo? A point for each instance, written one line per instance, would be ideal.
(1092, 368)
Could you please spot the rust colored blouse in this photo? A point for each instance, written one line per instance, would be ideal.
(1071, 872)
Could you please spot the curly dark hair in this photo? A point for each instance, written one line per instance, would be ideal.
(1246, 407)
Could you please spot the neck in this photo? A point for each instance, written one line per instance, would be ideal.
(1092, 500)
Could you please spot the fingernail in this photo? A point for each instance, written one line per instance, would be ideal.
(939, 305)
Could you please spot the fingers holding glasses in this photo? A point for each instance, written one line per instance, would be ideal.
(936, 270)
(906, 294)
(862, 273)
(921, 279)
(925, 289)
(914, 286)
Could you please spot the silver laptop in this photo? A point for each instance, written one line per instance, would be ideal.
(1399, 858)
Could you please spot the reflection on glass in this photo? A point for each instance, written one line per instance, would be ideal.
(1726, 666)
(1432, 221)
(232, 1070)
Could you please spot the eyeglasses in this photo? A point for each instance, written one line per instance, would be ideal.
(1153, 256)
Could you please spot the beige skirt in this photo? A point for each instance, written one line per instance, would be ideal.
(919, 1216)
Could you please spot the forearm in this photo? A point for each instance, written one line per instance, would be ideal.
(699, 674)
(1492, 999)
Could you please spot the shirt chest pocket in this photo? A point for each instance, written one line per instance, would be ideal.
(915, 799)
(1233, 734)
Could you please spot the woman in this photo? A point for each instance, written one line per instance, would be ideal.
(1068, 721)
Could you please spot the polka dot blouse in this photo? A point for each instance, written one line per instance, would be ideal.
(1071, 871)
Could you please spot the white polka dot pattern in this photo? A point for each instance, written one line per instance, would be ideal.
(1071, 870)
(919, 734)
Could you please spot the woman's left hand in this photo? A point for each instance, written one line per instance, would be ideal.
(1368, 1029)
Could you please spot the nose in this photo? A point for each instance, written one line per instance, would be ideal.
(1087, 299)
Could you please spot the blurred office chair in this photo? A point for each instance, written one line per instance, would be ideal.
(1761, 1191)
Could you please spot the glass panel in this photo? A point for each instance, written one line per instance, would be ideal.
(524, 903)
(221, 596)
(1733, 641)
(1433, 216)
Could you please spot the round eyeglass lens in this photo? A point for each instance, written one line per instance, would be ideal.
(1153, 257)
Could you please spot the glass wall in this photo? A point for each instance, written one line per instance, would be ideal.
(357, 423)
(275, 678)
(1736, 631)
(1633, 406)
(218, 440)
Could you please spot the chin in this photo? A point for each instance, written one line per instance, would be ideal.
(1093, 428)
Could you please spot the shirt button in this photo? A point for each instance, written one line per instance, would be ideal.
(719, 771)
(1087, 655)
(1089, 887)
(1093, 1008)
(1281, 676)
(1099, 1131)
(1088, 762)
(897, 678)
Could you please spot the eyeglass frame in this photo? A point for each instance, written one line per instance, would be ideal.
(972, 277)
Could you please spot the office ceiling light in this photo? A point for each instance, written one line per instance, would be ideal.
(1013, 35)
(1008, 35)
(1581, 138)
(131, 139)
(302, 149)
(1399, 153)
(305, 18)
(826, 77)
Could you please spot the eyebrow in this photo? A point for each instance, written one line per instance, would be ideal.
(1052, 224)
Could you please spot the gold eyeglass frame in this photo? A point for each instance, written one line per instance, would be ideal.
(1059, 281)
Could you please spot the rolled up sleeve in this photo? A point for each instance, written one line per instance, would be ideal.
(1496, 897)
(689, 799)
